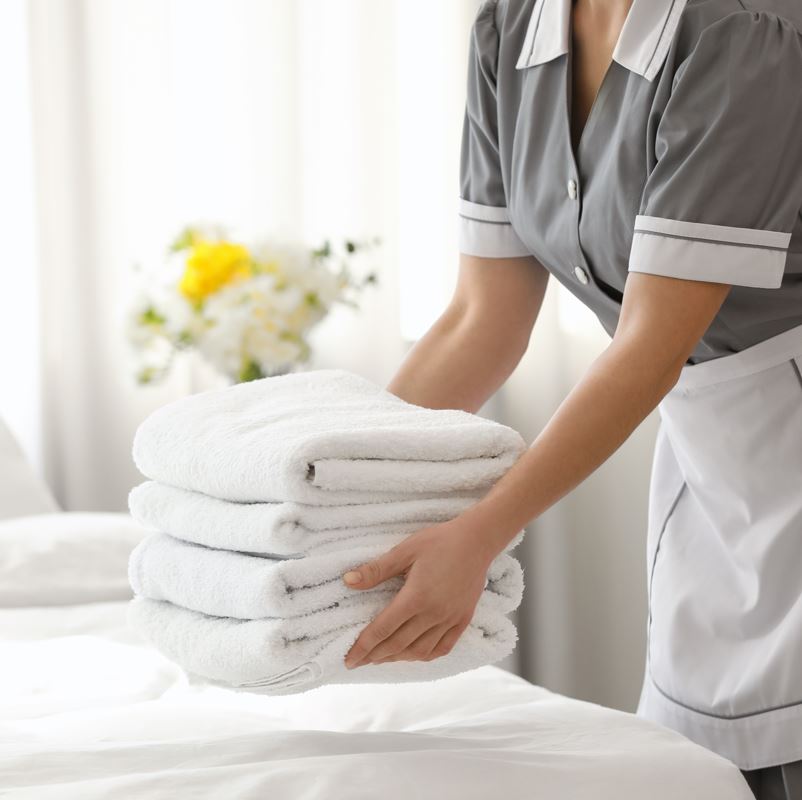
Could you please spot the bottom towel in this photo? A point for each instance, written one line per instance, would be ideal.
(286, 656)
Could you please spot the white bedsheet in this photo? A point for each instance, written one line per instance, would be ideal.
(88, 712)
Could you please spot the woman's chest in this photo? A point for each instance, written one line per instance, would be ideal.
(575, 206)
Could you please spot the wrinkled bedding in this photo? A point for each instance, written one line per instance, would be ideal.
(87, 711)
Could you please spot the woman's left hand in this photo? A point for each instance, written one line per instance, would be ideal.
(445, 571)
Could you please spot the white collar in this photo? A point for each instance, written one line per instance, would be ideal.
(642, 44)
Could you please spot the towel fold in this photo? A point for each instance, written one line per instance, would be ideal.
(324, 437)
(223, 583)
(284, 656)
(284, 529)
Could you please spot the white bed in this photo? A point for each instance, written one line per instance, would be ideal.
(87, 711)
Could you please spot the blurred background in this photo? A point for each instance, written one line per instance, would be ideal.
(125, 120)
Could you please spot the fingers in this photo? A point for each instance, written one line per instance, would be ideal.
(382, 627)
(446, 644)
(419, 649)
(404, 635)
(372, 573)
(445, 638)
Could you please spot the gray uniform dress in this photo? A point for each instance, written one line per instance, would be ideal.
(689, 166)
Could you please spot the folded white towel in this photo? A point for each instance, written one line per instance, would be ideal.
(284, 529)
(324, 437)
(223, 583)
(285, 656)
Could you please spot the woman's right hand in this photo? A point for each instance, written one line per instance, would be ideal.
(445, 572)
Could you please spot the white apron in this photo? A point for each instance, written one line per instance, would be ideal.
(724, 568)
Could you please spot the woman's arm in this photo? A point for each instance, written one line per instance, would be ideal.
(661, 321)
(444, 565)
(476, 343)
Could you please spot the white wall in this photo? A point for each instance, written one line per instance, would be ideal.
(20, 384)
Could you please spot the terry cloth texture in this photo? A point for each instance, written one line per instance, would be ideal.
(325, 437)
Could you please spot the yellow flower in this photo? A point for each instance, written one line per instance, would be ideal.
(212, 265)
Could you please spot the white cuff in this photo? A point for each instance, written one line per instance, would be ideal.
(486, 231)
(717, 253)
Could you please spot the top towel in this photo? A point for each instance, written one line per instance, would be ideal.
(324, 437)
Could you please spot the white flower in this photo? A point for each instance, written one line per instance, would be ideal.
(255, 325)
(181, 320)
(246, 323)
(222, 338)
(268, 350)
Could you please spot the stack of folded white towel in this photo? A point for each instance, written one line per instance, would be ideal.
(264, 494)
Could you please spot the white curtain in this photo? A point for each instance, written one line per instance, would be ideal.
(308, 119)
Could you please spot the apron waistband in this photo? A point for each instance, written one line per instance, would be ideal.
(763, 355)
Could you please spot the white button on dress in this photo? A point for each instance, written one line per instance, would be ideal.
(572, 192)
(581, 275)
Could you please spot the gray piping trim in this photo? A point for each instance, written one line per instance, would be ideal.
(720, 716)
(648, 646)
(795, 365)
(712, 241)
(485, 221)
(660, 540)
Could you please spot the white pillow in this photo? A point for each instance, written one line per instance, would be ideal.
(22, 491)
(66, 558)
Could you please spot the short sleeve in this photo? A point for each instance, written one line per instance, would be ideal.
(721, 202)
(484, 227)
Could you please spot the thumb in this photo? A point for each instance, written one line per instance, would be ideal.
(380, 569)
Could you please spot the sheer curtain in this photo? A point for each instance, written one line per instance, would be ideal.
(303, 118)
(269, 117)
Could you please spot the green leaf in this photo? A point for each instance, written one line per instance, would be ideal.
(151, 317)
(324, 251)
(250, 372)
(146, 375)
(184, 339)
(184, 240)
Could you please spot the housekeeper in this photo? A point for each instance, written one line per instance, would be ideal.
(648, 155)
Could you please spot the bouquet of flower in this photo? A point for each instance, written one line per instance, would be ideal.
(246, 310)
